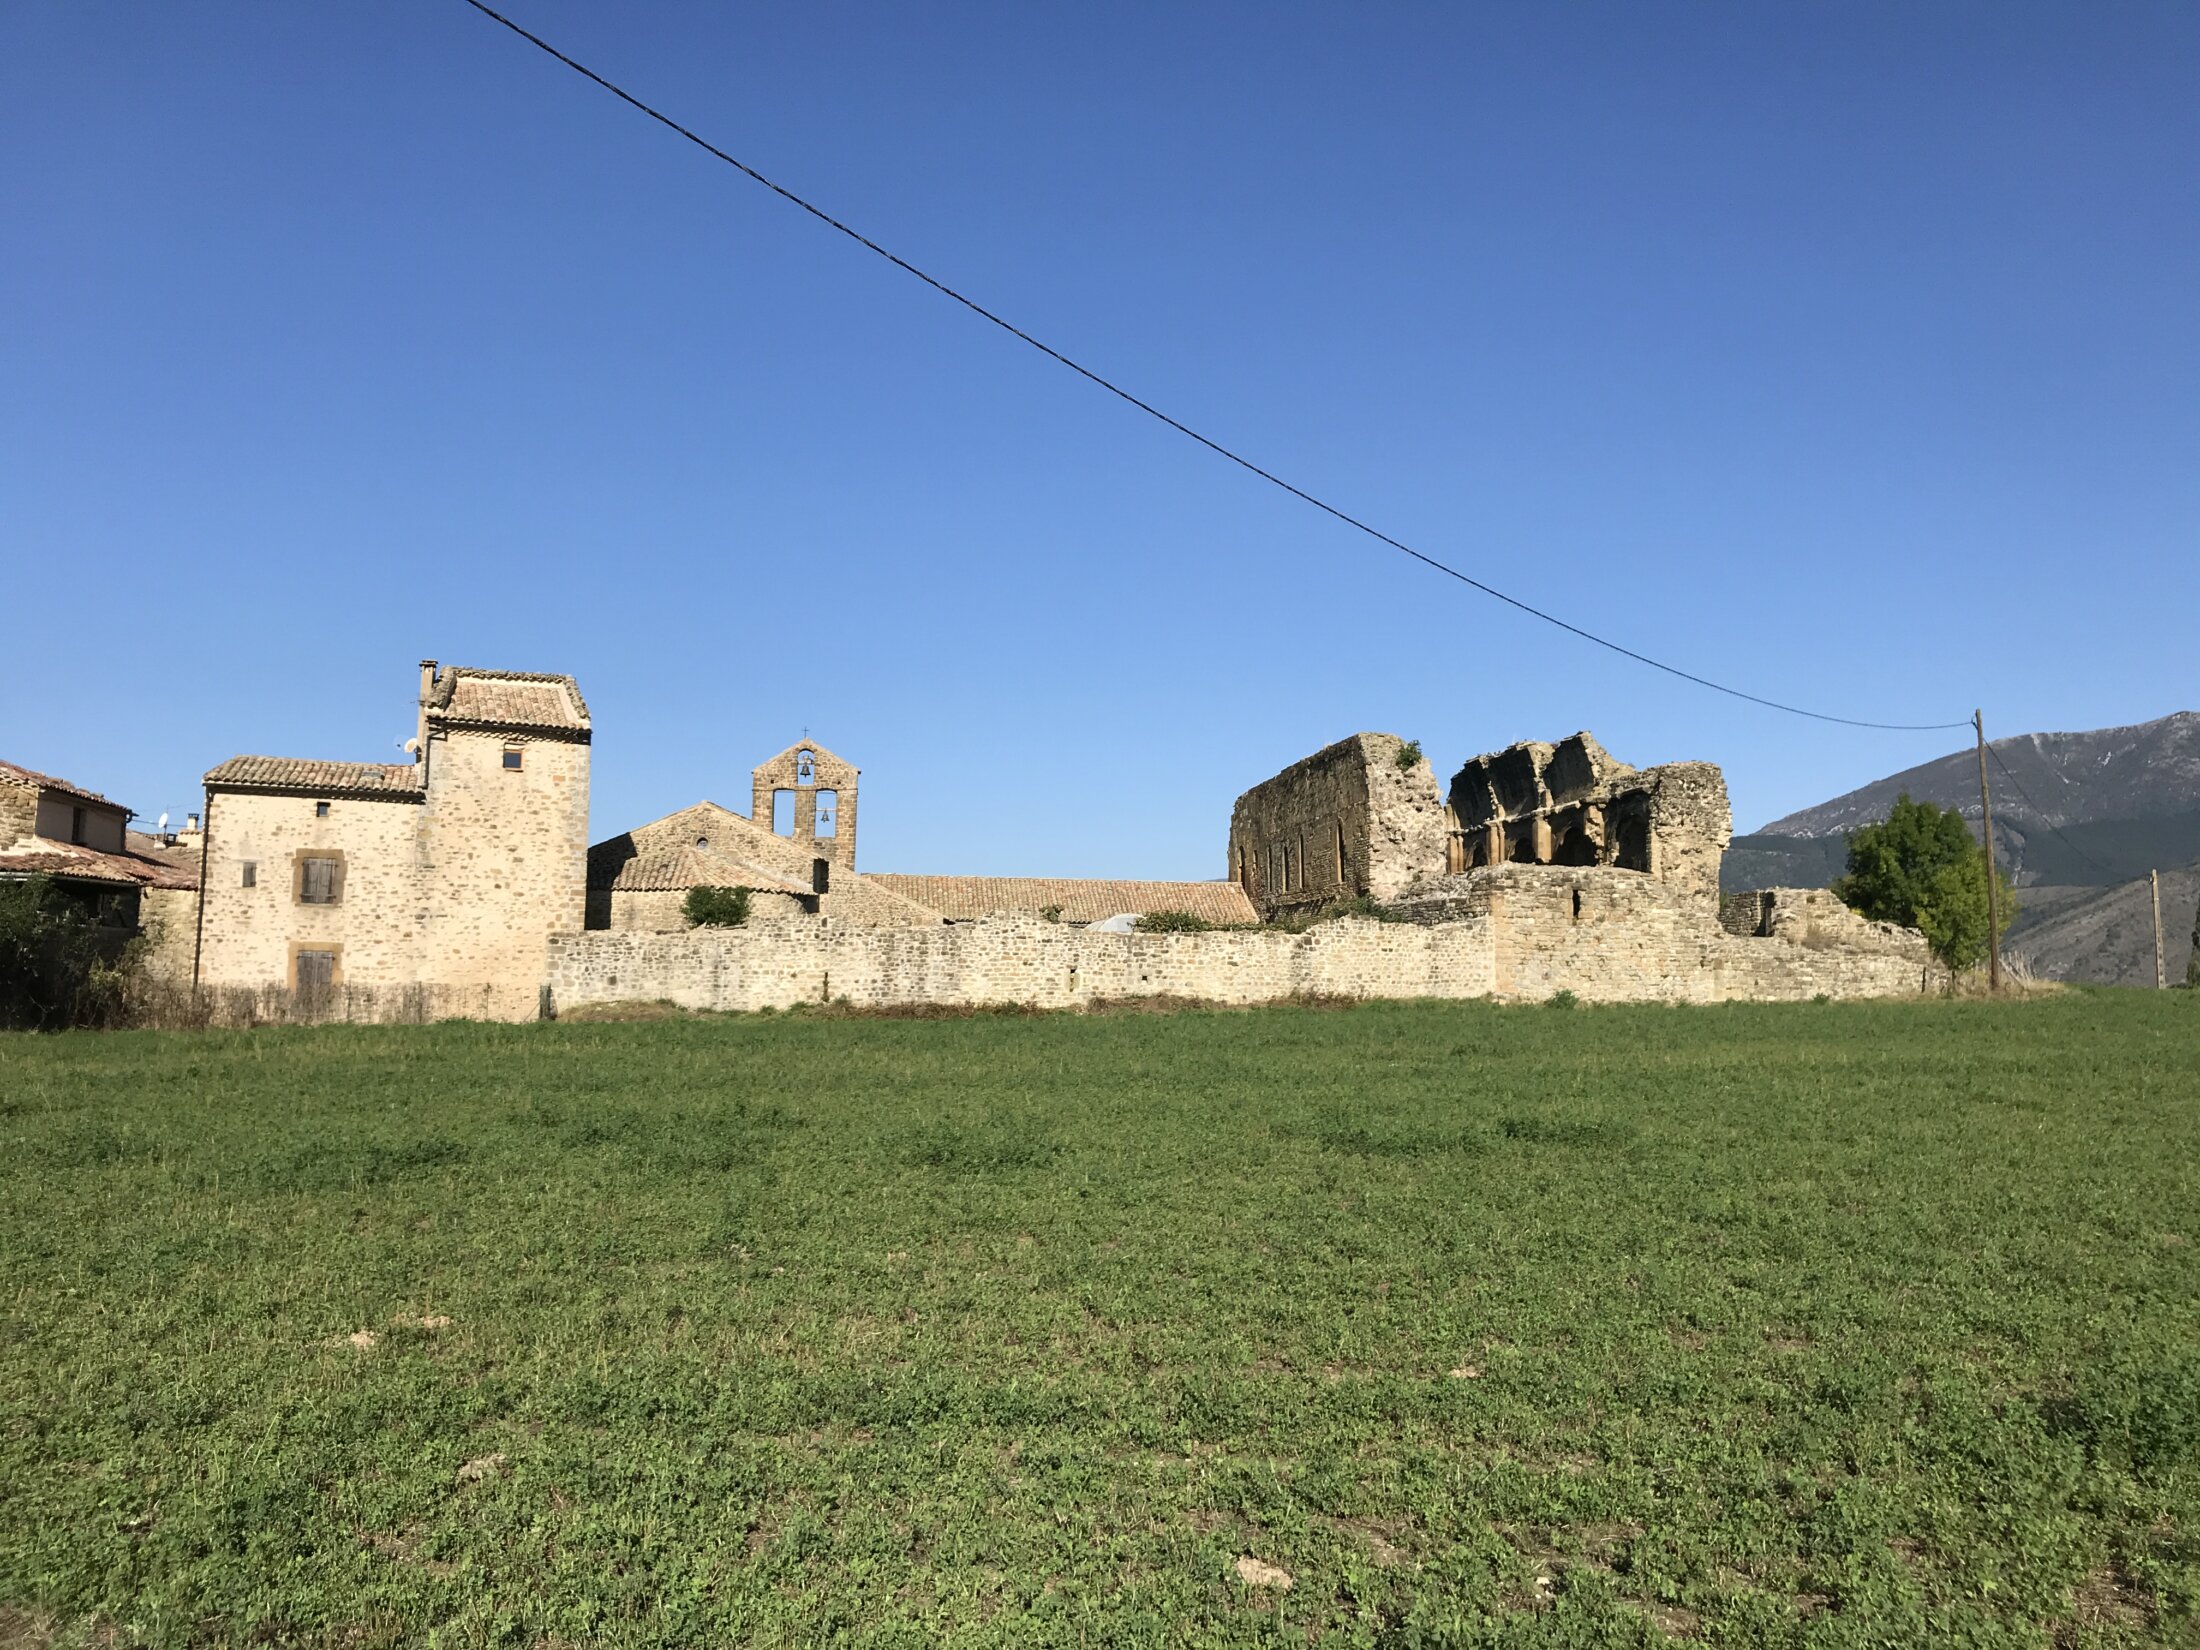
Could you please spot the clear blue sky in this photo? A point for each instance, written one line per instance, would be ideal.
(1847, 352)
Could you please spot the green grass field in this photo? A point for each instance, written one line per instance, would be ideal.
(1809, 1325)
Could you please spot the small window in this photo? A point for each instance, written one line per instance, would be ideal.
(76, 825)
(317, 882)
(316, 970)
(251, 874)
(783, 812)
(320, 810)
(805, 768)
(702, 842)
(512, 758)
(828, 813)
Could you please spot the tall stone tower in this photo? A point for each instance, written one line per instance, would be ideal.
(504, 836)
(808, 795)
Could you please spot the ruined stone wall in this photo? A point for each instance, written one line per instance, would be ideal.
(1520, 933)
(1574, 804)
(1348, 820)
(1011, 959)
(506, 860)
(251, 934)
(1815, 917)
(1612, 936)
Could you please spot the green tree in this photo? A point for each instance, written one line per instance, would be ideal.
(2192, 968)
(716, 907)
(1922, 868)
(59, 964)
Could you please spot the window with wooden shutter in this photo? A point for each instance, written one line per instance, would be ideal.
(318, 884)
(316, 970)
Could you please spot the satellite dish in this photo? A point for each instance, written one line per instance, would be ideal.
(410, 747)
(163, 825)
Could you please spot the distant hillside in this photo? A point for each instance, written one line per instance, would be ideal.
(2106, 935)
(2127, 800)
(2072, 778)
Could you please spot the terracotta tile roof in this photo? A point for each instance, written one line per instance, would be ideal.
(1082, 899)
(619, 867)
(46, 782)
(35, 856)
(508, 698)
(295, 773)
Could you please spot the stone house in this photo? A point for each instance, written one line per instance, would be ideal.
(81, 842)
(441, 878)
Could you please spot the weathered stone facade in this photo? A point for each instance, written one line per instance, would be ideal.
(1573, 804)
(1363, 816)
(1358, 817)
(448, 873)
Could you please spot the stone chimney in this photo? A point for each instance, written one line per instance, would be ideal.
(427, 692)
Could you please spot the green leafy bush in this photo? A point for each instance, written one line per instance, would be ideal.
(716, 907)
(1409, 755)
(59, 965)
(1172, 922)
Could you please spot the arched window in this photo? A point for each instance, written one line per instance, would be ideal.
(805, 768)
(702, 842)
(828, 813)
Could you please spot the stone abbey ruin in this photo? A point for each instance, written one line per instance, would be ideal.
(462, 882)
(1544, 869)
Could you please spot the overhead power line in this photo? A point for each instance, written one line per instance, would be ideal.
(1178, 425)
(2049, 823)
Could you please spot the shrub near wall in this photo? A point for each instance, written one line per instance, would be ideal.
(59, 965)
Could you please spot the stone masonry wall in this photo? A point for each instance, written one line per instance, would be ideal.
(1011, 959)
(18, 810)
(1619, 936)
(1519, 933)
(1346, 821)
(1574, 804)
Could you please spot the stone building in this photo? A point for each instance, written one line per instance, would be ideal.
(441, 878)
(77, 839)
(796, 854)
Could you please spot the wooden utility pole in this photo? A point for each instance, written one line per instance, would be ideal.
(1993, 902)
(2161, 978)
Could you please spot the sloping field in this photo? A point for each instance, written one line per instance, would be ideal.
(1805, 1325)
